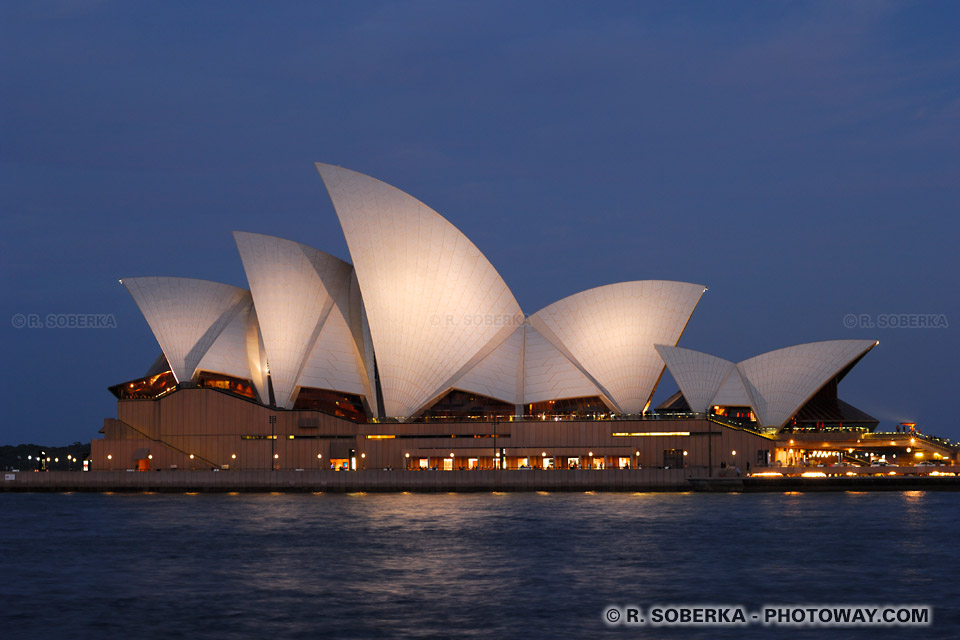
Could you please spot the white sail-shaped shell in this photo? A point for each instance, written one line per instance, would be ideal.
(296, 290)
(782, 381)
(699, 375)
(433, 301)
(609, 332)
(186, 316)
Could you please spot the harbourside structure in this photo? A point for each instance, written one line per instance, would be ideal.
(418, 356)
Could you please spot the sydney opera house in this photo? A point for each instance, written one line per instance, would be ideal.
(418, 356)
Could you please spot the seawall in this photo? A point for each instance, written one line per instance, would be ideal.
(351, 481)
(444, 481)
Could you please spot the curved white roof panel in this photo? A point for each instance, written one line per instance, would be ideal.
(334, 362)
(257, 356)
(360, 328)
(609, 333)
(228, 353)
(548, 374)
(782, 381)
(186, 316)
(500, 374)
(296, 289)
(699, 375)
(732, 393)
(433, 301)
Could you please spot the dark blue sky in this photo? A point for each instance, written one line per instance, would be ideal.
(800, 159)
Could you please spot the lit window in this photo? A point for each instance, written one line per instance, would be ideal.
(651, 433)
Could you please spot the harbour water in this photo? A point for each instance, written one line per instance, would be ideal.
(463, 565)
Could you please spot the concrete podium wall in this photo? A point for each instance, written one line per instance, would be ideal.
(348, 481)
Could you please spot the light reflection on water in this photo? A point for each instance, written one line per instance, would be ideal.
(486, 565)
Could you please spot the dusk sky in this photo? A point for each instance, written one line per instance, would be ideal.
(800, 159)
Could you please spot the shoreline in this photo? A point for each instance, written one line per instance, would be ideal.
(395, 481)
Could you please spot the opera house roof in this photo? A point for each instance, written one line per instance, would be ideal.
(421, 311)
(775, 384)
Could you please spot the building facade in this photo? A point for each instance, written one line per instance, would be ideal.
(417, 356)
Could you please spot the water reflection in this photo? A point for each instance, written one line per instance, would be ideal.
(477, 565)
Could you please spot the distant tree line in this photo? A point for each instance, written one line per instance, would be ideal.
(26, 457)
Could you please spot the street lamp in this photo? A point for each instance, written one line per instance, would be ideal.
(496, 421)
(273, 437)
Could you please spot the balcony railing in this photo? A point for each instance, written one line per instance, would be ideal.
(548, 417)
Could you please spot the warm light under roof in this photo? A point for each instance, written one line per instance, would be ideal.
(651, 433)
